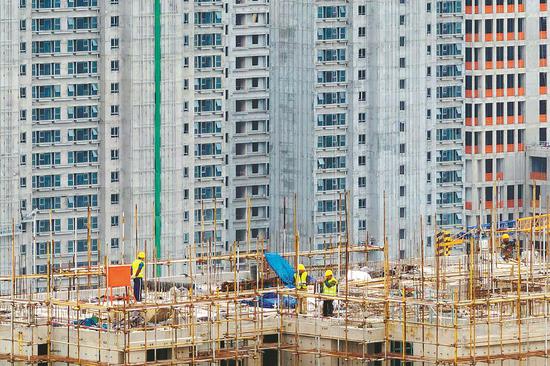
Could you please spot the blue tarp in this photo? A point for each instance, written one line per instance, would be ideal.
(270, 300)
(509, 224)
(281, 267)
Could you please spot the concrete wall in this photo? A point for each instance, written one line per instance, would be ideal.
(292, 141)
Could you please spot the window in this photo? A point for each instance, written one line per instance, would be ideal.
(115, 65)
(22, 182)
(362, 10)
(78, 3)
(401, 191)
(22, 70)
(362, 74)
(402, 41)
(114, 21)
(362, 117)
(401, 20)
(362, 31)
(114, 199)
(46, 24)
(401, 169)
(114, 88)
(401, 148)
(114, 43)
(401, 83)
(208, 39)
(362, 139)
(82, 23)
(336, 33)
(114, 177)
(114, 110)
(362, 96)
(338, 54)
(362, 53)
(115, 243)
(23, 25)
(114, 132)
(82, 67)
(401, 234)
(114, 220)
(22, 47)
(402, 62)
(114, 154)
(362, 182)
(362, 160)
(402, 212)
(449, 28)
(22, 92)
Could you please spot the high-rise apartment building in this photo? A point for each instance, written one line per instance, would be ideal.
(505, 108)
(348, 113)
(208, 121)
(78, 105)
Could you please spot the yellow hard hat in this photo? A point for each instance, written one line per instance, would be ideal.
(328, 273)
(141, 255)
(505, 236)
(301, 267)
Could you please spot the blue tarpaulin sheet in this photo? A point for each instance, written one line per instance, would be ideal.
(281, 267)
(270, 300)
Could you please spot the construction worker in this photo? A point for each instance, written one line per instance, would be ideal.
(329, 288)
(138, 272)
(301, 279)
(507, 247)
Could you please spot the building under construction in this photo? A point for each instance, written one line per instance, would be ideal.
(449, 309)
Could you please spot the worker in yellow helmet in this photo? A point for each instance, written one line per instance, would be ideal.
(507, 247)
(138, 272)
(329, 288)
(301, 280)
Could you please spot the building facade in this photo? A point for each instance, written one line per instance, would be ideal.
(367, 118)
(505, 109)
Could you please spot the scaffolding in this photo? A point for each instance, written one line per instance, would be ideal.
(461, 309)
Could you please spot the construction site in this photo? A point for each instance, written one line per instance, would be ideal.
(465, 302)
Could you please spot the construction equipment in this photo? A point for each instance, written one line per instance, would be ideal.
(444, 242)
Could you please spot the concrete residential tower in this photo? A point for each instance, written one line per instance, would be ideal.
(207, 122)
